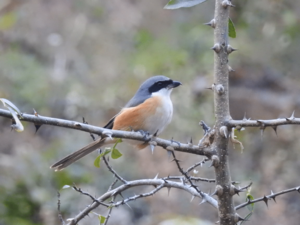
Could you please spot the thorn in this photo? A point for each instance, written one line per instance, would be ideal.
(156, 176)
(127, 205)
(193, 197)
(37, 127)
(169, 189)
(191, 141)
(203, 201)
(230, 49)
(35, 113)
(265, 199)
(216, 48)
(245, 118)
(230, 68)
(227, 3)
(169, 154)
(275, 129)
(292, 117)
(262, 129)
(152, 148)
(224, 131)
(211, 23)
(218, 191)
(273, 196)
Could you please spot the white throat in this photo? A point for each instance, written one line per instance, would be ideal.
(165, 92)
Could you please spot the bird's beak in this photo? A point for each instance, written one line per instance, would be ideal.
(175, 84)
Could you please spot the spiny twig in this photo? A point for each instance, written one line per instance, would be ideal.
(267, 197)
(109, 212)
(197, 164)
(273, 123)
(191, 177)
(185, 174)
(112, 184)
(89, 195)
(113, 171)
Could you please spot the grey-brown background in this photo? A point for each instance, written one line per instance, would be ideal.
(74, 59)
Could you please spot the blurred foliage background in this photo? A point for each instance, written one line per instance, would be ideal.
(74, 59)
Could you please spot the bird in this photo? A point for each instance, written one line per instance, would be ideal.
(150, 110)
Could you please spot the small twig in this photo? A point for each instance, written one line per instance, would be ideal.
(85, 122)
(113, 171)
(112, 184)
(192, 178)
(110, 210)
(267, 197)
(185, 174)
(89, 195)
(197, 164)
(58, 209)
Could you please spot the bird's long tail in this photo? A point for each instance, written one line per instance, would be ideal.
(68, 160)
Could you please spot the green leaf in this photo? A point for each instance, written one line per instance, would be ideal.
(176, 4)
(231, 29)
(97, 160)
(115, 153)
(101, 219)
(250, 206)
(7, 20)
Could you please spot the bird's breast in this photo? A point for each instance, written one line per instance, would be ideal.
(162, 112)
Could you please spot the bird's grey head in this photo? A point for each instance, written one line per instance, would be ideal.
(153, 85)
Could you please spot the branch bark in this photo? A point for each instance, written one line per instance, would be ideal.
(170, 144)
(221, 102)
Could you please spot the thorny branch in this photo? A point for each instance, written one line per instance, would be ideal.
(266, 198)
(192, 178)
(159, 183)
(37, 119)
(292, 120)
(154, 182)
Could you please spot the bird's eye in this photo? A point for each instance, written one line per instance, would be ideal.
(159, 83)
